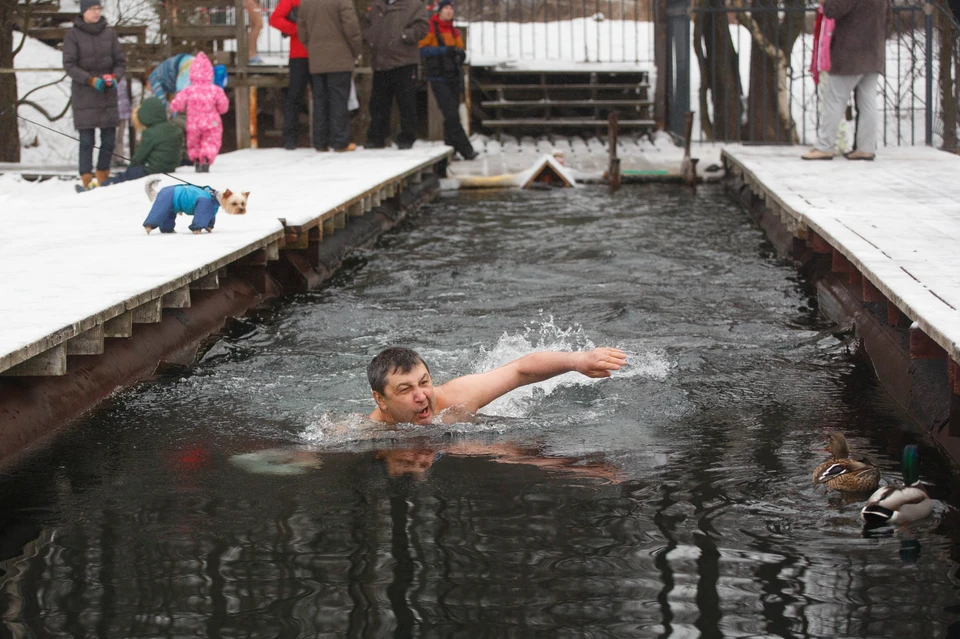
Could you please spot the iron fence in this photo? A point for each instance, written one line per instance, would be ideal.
(748, 69)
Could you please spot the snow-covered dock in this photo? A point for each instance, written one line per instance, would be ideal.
(78, 268)
(887, 233)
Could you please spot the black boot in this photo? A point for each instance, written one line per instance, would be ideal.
(196, 166)
(204, 165)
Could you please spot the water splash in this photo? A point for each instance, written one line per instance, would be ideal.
(357, 432)
(331, 430)
(545, 335)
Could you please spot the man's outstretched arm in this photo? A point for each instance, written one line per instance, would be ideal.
(473, 392)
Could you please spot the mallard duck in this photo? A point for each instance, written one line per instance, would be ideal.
(900, 504)
(845, 474)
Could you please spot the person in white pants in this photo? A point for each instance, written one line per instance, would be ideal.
(857, 53)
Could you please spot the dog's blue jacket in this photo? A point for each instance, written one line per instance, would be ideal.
(184, 198)
(188, 198)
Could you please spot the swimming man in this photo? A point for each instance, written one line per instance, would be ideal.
(404, 390)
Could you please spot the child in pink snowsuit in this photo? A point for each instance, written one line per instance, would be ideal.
(204, 103)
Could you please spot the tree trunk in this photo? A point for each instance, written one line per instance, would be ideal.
(948, 97)
(10, 140)
(768, 110)
(721, 64)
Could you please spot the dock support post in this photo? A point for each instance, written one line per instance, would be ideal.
(818, 244)
(953, 380)
(178, 298)
(89, 342)
(149, 312)
(209, 282)
(52, 361)
(896, 317)
(870, 292)
(923, 347)
(119, 326)
(613, 131)
(840, 262)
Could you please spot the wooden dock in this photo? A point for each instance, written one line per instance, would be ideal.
(79, 269)
(889, 231)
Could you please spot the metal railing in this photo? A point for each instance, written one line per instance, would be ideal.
(750, 79)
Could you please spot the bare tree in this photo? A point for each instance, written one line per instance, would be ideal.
(10, 10)
(773, 34)
(948, 74)
(719, 72)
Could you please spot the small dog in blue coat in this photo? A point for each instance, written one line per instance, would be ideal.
(201, 203)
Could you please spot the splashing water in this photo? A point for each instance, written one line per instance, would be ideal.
(545, 335)
(352, 429)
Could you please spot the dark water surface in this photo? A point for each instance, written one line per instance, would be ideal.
(673, 500)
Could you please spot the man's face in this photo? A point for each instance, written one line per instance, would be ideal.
(446, 13)
(408, 397)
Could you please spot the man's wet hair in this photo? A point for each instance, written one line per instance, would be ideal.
(395, 359)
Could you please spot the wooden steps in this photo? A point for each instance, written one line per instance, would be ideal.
(522, 104)
(566, 123)
(534, 102)
(537, 87)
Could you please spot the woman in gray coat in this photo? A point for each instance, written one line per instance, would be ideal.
(93, 57)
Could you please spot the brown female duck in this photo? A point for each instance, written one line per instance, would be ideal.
(845, 474)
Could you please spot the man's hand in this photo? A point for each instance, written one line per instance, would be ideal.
(600, 362)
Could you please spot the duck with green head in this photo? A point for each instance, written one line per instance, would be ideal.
(844, 474)
(900, 504)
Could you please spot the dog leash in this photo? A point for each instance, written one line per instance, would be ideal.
(42, 126)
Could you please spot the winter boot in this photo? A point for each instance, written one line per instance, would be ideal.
(204, 165)
(196, 166)
(86, 184)
(102, 176)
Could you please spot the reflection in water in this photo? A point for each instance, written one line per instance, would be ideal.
(673, 500)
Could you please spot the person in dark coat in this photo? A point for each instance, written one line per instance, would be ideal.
(330, 31)
(393, 29)
(443, 55)
(857, 55)
(94, 59)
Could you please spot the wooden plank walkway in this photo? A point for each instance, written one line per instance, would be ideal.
(897, 220)
(589, 158)
(78, 268)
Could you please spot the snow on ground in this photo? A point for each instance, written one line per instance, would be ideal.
(582, 40)
(39, 146)
(67, 257)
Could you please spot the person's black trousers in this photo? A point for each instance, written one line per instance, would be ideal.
(108, 138)
(299, 78)
(331, 120)
(402, 84)
(448, 99)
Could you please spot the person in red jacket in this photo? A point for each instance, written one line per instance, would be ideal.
(284, 19)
